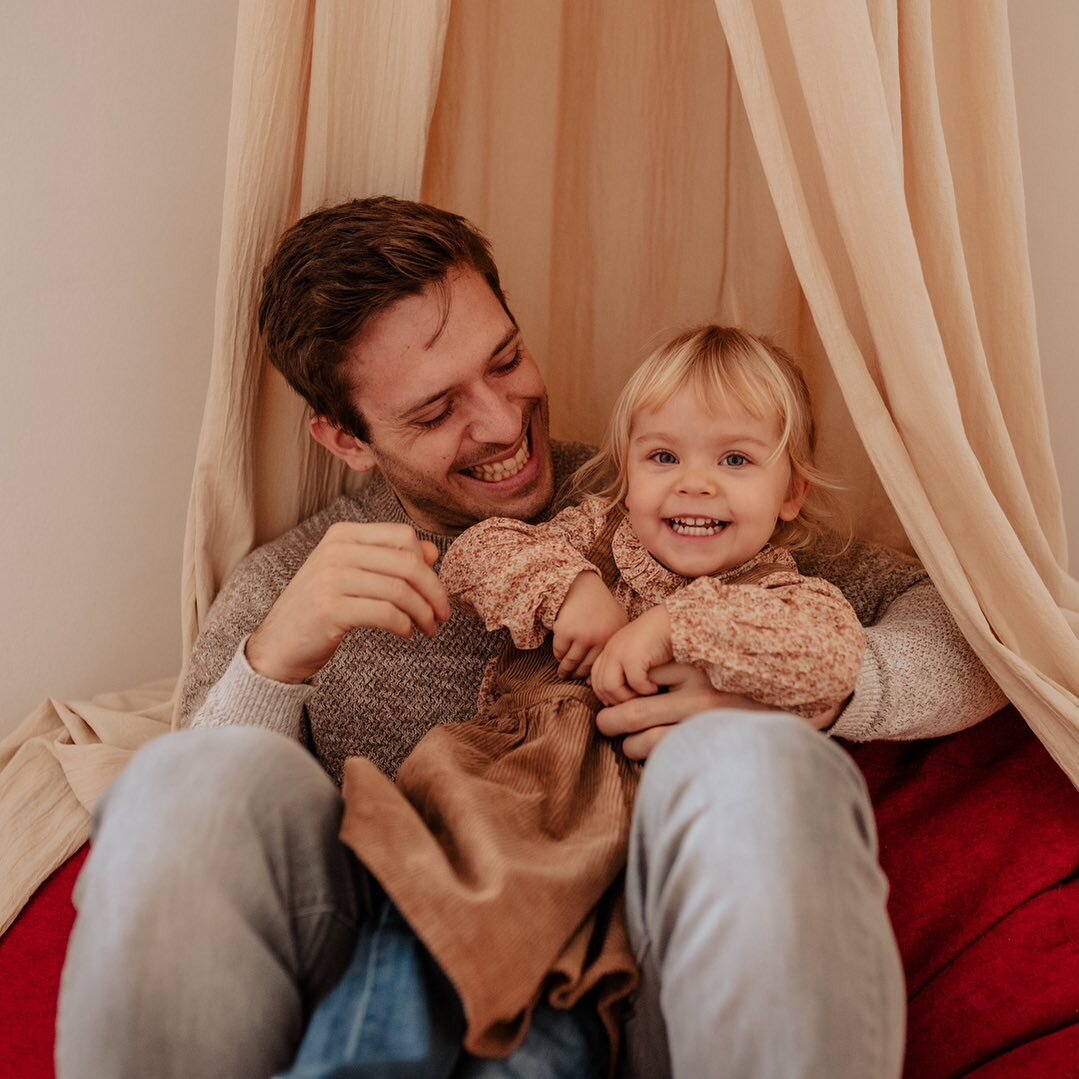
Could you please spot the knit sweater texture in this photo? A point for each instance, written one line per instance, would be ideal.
(380, 694)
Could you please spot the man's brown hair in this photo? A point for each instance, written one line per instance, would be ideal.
(337, 268)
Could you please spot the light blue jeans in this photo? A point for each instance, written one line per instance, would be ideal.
(394, 1014)
(217, 908)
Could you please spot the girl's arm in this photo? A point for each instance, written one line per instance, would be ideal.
(518, 575)
(789, 641)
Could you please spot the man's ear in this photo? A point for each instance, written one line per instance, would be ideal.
(795, 500)
(345, 447)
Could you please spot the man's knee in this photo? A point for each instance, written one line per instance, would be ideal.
(215, 864)
(733, 762)
(202, 803)
(229, 772)
(749, 799)
(753, 841)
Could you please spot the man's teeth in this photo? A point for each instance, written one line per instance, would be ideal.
(502, 470)
(696, 526)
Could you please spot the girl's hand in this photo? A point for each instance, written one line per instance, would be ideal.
(589, 615)
(623, 668)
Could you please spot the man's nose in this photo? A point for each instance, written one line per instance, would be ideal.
(497, 419)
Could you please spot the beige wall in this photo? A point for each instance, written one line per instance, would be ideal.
(1045, 34)
(113, 124)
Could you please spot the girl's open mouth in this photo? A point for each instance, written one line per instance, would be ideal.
(695, 526)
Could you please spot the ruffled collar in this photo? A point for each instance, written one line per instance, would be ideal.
(654, 582)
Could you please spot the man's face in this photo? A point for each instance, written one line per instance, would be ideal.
(457, 422)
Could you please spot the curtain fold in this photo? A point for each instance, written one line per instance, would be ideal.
(330, 100)
(970, 473)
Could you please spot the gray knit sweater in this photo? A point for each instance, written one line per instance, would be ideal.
(379, 694)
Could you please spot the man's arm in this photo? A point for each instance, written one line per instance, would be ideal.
(919, 677)
(220, 687)
(275, 625)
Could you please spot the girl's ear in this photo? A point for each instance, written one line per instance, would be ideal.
(795, 500)
(348, 448)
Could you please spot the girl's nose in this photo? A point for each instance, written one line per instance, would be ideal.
(696, 481)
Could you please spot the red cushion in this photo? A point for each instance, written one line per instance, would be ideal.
(31, 957)
(979, 836)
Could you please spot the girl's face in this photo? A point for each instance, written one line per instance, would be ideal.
(703, 496)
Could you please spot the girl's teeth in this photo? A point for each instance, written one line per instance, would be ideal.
(502, 470)
(696, 526)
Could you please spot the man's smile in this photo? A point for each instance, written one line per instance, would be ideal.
(506, 467)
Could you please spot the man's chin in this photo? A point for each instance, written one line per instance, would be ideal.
(524, 501)
(523, 505)
(523, 496)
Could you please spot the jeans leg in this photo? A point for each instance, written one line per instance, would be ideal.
(560, 1044)
(392, 1016)
(758, 909)
(216, 907)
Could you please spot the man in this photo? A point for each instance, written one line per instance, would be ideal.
(218, 906)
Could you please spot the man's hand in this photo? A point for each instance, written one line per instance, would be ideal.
(621, 671)
(643, 722)
(588, 616)
(373, 575)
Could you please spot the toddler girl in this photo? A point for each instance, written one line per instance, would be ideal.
(503, 843)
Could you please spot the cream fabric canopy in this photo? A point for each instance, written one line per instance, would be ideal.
(638, 166)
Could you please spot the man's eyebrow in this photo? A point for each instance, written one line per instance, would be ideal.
(510, 334)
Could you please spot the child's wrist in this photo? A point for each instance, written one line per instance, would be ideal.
(661, 621)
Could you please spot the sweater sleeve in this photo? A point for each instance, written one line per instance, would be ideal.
(242, 696)
(219, 686)
(919, 677)
(516, 575)
(789, 641)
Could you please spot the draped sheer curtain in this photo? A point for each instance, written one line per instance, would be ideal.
(840, 174)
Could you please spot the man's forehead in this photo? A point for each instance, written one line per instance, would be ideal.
(422, 344)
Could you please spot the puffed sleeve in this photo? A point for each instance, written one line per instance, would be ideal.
(516, 575)
(789, 641)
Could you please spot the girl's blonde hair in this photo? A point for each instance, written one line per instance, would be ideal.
(721, 366)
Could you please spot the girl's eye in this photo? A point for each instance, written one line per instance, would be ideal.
(435, 421)
(735, 460)
(664, 457)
